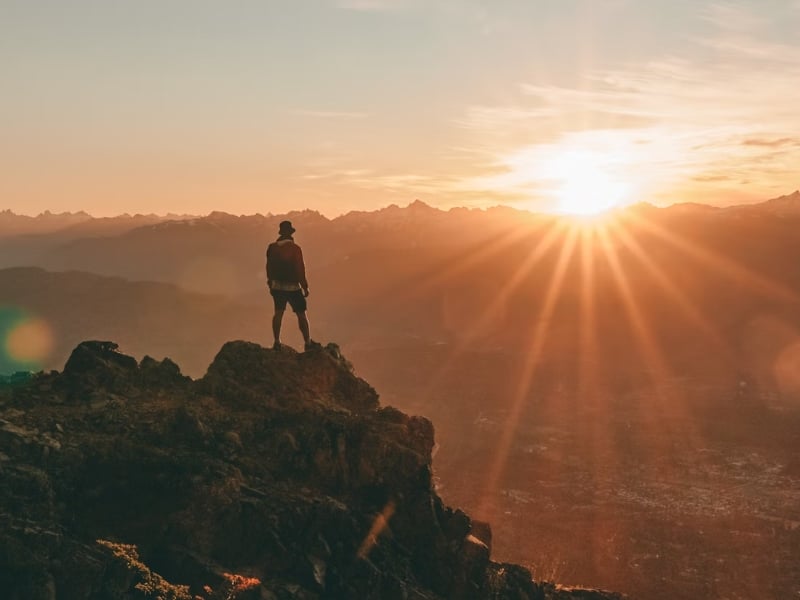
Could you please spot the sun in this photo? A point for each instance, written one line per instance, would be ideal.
(585, 183)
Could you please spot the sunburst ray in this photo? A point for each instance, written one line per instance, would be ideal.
(681, 300)
(468, 336)
(530, 364)
(721, 264)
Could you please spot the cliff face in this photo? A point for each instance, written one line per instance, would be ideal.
(276, 475)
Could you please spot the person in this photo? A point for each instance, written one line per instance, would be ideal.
(286, 279)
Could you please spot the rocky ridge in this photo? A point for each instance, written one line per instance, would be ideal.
(276, 475)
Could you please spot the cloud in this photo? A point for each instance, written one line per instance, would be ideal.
(723, 115)
(372, 179)
(698, 124)
(713, 178)
(772, 143)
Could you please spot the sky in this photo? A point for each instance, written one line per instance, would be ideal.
(190, 106)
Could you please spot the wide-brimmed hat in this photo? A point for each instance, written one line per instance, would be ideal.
(285, 228)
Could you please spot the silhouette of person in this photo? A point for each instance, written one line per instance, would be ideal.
(286, 279)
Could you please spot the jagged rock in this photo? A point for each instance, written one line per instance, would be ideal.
(276, 475)
(557, 592)
(246, 372)
(165, 374)
(96, 365)
(483, 531)
(95, 357)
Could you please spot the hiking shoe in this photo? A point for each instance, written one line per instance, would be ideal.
(312, 345)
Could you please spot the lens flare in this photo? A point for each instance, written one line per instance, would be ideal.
(29, 342)
(787, 370)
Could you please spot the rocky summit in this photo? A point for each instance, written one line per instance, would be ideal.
(276, 475)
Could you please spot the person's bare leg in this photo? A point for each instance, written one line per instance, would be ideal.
(302, 322)
(277, 319)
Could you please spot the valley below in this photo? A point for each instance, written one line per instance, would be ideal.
(659, 507)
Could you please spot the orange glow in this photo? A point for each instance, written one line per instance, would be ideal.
(209, 274)
(647, 342)
(787, 368)
(458, 265)
(380, 523)
(31, 341)
(588, 333)
(584, 186)
(534, 353)
(673, 291)
(666, 402)
(240, 583)
(724, 265)
(490, 313)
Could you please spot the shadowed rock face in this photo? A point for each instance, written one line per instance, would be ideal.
(276, 466)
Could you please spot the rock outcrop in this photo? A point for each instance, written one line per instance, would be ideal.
(277, 475)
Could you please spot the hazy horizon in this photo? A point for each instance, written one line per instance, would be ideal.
(399, 204)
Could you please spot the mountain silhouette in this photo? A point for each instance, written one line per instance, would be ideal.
(46, 222)
(75, 305)
(275, 475)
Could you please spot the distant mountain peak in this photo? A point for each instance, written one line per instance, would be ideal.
(80, 214)
(45, 222)
(794, 196)
(782, 206)
(419, 205)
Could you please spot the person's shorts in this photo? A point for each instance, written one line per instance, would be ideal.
(295, 298)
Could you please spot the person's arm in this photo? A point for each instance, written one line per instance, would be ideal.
(301, 271)
(269, 279)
